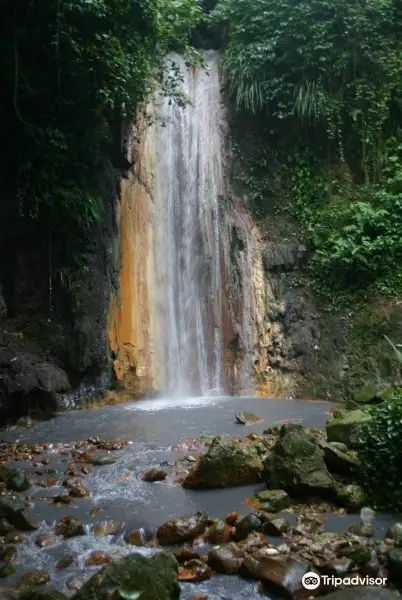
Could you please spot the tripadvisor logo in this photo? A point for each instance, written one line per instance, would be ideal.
(311, 581)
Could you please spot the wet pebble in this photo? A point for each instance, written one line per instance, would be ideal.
(97, 558)
(101, 459)
(36, 577)
(154, 475)
(106, 528)
(65, 562)
(44, 540)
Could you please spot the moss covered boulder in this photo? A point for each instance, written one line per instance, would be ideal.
(352, 496)
(152, 578)
(337, 460)
(346, 427)
(229, 461)
(297, 465)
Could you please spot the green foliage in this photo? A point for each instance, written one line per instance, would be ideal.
(330, 67)
(72, 72)
(355, 232)
(380, 454)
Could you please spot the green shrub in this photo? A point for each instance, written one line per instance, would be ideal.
(380, 454)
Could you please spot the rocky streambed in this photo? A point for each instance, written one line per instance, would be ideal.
(190, 498)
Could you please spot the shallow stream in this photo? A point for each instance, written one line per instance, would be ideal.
(153, 427)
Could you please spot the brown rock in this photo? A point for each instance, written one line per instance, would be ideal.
(194, 570)
(226, 559)
(97, 558)
(36, 577)
(182, 529)
(135, 538)
(154, 475)
(106, 528)
(77, 488)
(286, 573)
(186, 553)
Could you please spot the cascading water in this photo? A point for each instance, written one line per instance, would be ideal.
(188, 186)
(184, 320)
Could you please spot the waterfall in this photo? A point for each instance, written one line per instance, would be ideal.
(188, 188)
(184, 320)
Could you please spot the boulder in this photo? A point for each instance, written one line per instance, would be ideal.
(69, 527)
(352, 496)
(297, 465)
(273, 500)
(101, 459)
(182, 529)
(275, 527)
(395, 532)
(77, 488)
(346, 427)
(14, 479)
(361, 593)
(51, 378)
(246, 525)
(154, 475)
(153, 578)
(12, 509)
(226, 559)
(228, 462)
(286, 574)
(368, 394)
(247, 418)
(337, 460)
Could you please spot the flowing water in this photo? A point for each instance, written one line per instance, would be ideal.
(153, 427)
(188, 172)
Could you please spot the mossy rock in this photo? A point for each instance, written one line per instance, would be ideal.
(228, 462)
(337, 460)
(352, 496)
(273, 500)
(346, 427)
(154, 578)
(297, 465)
(368, 394)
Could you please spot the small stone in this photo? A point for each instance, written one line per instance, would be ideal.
(232, 518)
(134, 538)
(154, 475)
(65, 562)
(275, 527)
(69, 527)
(101, 459)
(75, 583)
(62, 499)
(77, 488)
(246, 525)
(194, 570)
(36, 577)
(97, 558)
(219, 532)
(186, 553)
(106, 528)
(45, 540)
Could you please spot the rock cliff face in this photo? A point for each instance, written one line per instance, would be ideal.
(52, 356)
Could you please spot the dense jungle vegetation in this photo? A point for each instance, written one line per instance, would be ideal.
(72, 72)
(322, 81)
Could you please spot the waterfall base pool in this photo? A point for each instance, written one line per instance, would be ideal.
(153, 427)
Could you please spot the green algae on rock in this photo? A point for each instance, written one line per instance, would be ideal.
(229, 461)
(346, 427)
(155, 578)
(297, 465)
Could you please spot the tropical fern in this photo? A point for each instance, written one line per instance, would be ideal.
(398, 353)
